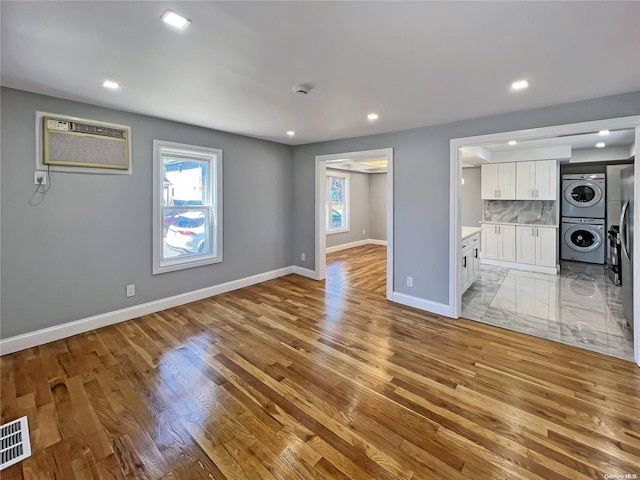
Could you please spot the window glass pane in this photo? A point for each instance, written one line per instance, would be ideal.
(186, 232)
(185, 182)
(337, 216)
(337, 190)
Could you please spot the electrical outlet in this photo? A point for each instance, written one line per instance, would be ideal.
(131, 290)
(409, 281)
(363, 232)
(303, 257)
(39, 177)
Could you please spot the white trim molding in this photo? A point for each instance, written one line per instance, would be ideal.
(58, 332)
(374, 241)
(320, 196)
(305, 272)
(358, 243)
(522, 266)
(422, 304)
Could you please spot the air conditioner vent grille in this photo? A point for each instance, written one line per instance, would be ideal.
(97, 130)
(15, 444)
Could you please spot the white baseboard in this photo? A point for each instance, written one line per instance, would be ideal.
(58, 332)
(422, 304)
(521, 266)
(373, 241)
(346, 246)
(305, 272)
(359, 243)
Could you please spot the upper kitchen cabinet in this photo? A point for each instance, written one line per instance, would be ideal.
(536, 180)
(498, 181)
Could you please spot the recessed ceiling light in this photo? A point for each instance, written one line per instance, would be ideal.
(512, 142)
(111, 84)
(600, 145)
(603, 133)
(291, 133)
(175, 20)
(373, 116)
(519, 85)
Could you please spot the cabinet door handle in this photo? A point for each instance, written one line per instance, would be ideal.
(464, 262)
(536, 232)
(475, 253)
(499, 229)
(533, 233)
(499, 193)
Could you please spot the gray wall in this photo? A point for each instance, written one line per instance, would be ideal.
(421, 184)
(72, 256)
(471, 203)
(358, 210)
(378, 206)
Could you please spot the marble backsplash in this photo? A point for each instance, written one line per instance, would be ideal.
(536, 212)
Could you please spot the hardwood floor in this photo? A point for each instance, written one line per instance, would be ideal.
(289, 379)
(362, 267)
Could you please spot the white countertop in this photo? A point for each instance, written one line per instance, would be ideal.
(468, 231)
(517, 224)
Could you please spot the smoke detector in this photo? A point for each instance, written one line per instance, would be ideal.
(301, 89)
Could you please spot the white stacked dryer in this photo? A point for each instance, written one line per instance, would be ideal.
(583, 218)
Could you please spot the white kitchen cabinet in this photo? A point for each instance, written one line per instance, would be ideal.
(536, 180)
(536, 245)
(490, 242)
(499, 242)
(507, 243)
(526, 245)
(546, 245)
(470, 261)
(498, 181)
(521, 247)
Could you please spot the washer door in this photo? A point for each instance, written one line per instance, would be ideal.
(583, 193)
(583, 238)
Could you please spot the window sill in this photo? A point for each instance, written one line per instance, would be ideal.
(342, 230)
(168, 266)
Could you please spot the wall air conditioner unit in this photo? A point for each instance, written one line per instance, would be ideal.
(84, 144)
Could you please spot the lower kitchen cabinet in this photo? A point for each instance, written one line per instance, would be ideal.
(536, 245)
(470, 264)
(523, 247)
(499, 242)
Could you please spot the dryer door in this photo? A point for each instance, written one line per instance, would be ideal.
(583, 193)
(583, 238)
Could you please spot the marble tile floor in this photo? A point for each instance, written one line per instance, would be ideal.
(579, 307)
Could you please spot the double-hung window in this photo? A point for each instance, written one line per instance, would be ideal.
(337, 206)
(187, 206)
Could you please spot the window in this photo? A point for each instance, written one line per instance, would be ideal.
(337, 207)
(187, 206)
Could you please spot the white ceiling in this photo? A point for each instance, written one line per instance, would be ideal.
(362, 165)
(476, 155)
(233, 69)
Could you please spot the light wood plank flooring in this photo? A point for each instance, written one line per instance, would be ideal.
(292, 380)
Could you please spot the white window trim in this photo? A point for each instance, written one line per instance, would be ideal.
(347, 202)
(216, 236)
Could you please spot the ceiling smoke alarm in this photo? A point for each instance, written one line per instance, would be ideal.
(301, 89)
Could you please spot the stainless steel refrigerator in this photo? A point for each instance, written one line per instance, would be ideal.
(626, 242)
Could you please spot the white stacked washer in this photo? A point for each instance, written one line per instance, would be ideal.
(583, 213)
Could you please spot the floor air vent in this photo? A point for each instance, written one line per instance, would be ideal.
(15, 445)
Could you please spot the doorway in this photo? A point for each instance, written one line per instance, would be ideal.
(496, 147)
(333, 214)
